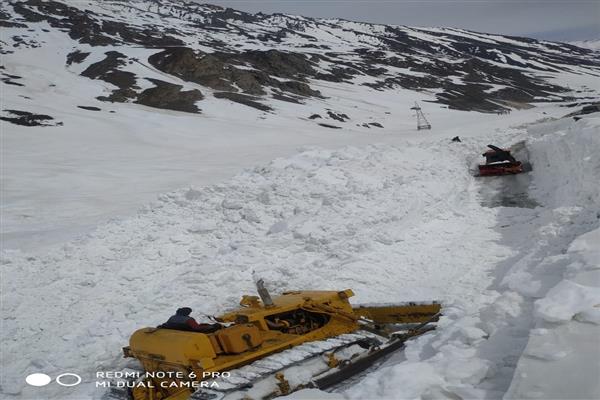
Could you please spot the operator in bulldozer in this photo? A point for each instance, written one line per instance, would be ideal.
(183, 322)
(327, 339)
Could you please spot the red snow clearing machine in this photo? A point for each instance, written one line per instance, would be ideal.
(499, 162)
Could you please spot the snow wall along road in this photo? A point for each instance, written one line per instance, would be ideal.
(392, 223)
(542, 310)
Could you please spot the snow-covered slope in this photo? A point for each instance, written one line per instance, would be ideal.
(587, 44)
(128, 99)
(105, 78)
(279, 55)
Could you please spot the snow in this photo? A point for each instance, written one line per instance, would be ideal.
(569, 300)
(90, 252)
(313, 394)
(475, 355)
(60, 182)
(587, 44)
(328, 216)
(566, 335)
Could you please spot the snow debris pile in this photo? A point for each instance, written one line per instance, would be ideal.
(384, 220)
(569, 300)
(377, 219)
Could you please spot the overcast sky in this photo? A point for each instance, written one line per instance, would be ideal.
(545, 19)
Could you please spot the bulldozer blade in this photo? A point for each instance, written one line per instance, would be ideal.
(356, 367)
(406, 313)
(361, 364)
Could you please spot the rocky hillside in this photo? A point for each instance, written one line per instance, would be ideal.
(150, 50)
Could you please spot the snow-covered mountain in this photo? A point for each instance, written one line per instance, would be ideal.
(106, 104)
(214, 83)
(244, 57)
(587, 44)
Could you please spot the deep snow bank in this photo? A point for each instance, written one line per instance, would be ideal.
(562, 272)
(544, 313)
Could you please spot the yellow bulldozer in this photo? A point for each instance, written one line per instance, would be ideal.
(272, 346)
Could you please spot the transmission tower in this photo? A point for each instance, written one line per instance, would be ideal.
(422, 122)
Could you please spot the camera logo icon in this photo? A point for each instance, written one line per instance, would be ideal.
(66, 379)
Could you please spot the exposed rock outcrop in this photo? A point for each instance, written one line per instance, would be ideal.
(283, 56)
(249, 71)
(249, 101)
(26, 118)
(169, 96)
